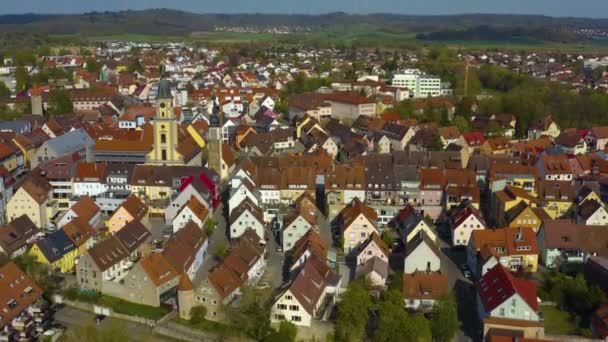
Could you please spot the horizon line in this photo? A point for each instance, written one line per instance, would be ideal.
(298, 14)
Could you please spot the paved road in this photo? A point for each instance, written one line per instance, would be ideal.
(465, 293)
(73, 318)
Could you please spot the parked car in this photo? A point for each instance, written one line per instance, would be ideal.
(99, 318)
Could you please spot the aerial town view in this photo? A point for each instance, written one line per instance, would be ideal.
(285, 171)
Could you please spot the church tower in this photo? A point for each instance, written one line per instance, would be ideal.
(164, 151)
(215, 145)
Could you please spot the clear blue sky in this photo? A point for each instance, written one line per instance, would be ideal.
(562, 8)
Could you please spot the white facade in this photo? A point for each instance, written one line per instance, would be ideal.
(421, 259)
(462, 234)
(184, 216)
(287, 308)
(198, 260)
(182, 198)
(244, 221)
(89, 188)
(294, 231)
(418, 83)
(239, 195)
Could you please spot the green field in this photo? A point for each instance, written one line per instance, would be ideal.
(557, 322)
(361, 36)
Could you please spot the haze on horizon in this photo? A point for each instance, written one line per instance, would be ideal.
(557, 8)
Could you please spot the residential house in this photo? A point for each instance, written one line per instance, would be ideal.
(86, 209)
(523, 215)
(375, 270)
(34, 199)
(244, 190)
(448, 135)
(187, 249)
(357, 222)
(555, 167)
(592, 213)
(296, 223)
(498, 145)
(421, 255)
(514, 248)
(132, 209)
(194, 211)
(501, 295)
(422, 289)
(103, 265)
(597, 138)
(464, 219)
(310, 244)
(544, 127)
(299, 302)
(564, 242)
(410, 223)
(76, 141)
(556, 197)
(243, 266)
(19, 294)
(571, 142)
(472, 141)
(89, 179)
(56, 250)
(432, 191)
(16, 236)
(151, 281)
(349, 105)
(247, 216)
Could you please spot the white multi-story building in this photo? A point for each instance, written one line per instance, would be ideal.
(418, 83)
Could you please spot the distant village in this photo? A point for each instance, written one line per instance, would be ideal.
(181, 183)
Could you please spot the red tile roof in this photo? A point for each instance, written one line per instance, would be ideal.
(499, 285)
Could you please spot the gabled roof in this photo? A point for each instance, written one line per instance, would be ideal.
(182, 248)
(134, 206)
(55, 245)
(312, 242)
(85, 208)
(588, 208)
(509, 240)
(355, 208)
(247, 205)
(421, 238)
(425, 285)
(374, 238)
(14, 235)
(375, 265)
(158, 269)
(308, 287)
(463, 212)
(17, 292)
(197, 208)
(79, 231)
(108, 253)
(498, 285)
(133, 235)
(37, 187)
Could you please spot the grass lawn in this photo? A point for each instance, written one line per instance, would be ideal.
(118, 305)
(558, 322)
(211, 326)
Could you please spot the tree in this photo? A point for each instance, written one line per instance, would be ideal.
(221, 251)
(436, 144)
(353, 313)
(4, 91)
(22, 78)
(93, 66)
(60, 102)
(444, 324)
(394, 323)
(388, 239)
(135, 66)
(198, 314)
(210, 226)
(40, 273)
(253, 313)
(461, 123)
(287, 333)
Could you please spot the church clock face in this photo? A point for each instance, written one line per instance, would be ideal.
(162, 105)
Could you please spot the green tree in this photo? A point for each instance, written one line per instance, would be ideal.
(436, 144)
(40, 273)
(210, 226)
(60, 102)
(253, 313)
(221, 251)
(461, 123)
(394, 323)
(388, 239)
(353, 313)
(287, 333)
(198, 314)
(444, 324)
(4, 91)
(93, 66)
(22, 78)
